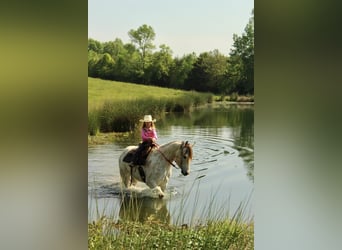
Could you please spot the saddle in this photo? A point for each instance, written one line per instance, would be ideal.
(137, 157)
(129, 156)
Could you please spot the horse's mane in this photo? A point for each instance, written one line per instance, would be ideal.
(168, 143)
(187, 145)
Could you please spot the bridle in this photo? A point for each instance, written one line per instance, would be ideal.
(175, 166)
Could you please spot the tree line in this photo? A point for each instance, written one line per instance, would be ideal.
(140, 62)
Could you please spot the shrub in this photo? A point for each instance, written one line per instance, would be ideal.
(124, 115)
(233, 97)
(93, 123)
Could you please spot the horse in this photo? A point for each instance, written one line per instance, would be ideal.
(157, 169)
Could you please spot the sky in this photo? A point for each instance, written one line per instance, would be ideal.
(185, 26)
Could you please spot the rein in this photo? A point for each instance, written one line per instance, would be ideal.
(167, 159)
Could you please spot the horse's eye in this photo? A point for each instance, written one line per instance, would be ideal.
(184, 157)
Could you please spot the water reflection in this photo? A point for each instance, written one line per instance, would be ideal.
(144, 209)
(210, 122)
(223, 160)
(238, 118)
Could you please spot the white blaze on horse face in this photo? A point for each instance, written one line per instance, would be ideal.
(185, 161)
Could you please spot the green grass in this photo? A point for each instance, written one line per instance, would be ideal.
(218, 231)
(100, 91)
(218, 228)
(226, 234)
(118, 106)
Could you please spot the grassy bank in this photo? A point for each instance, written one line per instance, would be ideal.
(117, 106)
(219, 230)
(226, 234)
(101, 91)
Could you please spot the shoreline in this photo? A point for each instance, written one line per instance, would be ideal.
(102, 138)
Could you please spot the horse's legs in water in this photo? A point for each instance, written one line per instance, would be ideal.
(155, 188)
(133, 182)
(163, 185)
(158, 191)
(126, 177)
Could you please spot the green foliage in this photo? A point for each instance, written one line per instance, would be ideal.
(241, 61)
(93, 58)
(93, 123)
(143, 37)
(233, 97)
(117, 107)
(94, 46)
(124, 116)
(158, 72)
(129, 233)
(209, 72)
(180, 70)
(183, 105)
(104, 66)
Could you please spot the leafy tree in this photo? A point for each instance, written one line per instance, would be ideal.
(127, 67)
(93, 58)
(180, 70)
(125, 58)
(143, 37)
(159, 70)
(104, 66)
(208, 72)
(241, 61)
(95, 46)
(114, 48)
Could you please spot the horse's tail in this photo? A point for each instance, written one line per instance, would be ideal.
(125, 169)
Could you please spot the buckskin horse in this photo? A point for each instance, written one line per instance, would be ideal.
(157, 169)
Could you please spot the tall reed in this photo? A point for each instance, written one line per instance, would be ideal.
(93, 123)
(123, 116)
(218, 230)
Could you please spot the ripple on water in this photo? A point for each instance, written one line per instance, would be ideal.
(219, 163)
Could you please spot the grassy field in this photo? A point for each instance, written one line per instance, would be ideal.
(101, 91)
(117, 106)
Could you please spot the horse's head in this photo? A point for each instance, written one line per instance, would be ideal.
(185, 157)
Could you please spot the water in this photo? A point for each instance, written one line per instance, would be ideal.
(221, 178)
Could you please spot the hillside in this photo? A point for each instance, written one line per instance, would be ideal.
(100, 91)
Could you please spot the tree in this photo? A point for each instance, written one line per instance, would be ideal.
(104, 66)
(208, 72)
(241, 61)
(125, 58)
(158, 72)
(180, 70)
(94, 45)
(93, 58)
(143, 37)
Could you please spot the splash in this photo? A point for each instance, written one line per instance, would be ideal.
(139, 191)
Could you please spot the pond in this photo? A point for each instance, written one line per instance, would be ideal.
(221, 178)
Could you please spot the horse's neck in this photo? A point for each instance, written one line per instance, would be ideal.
(170, 149)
